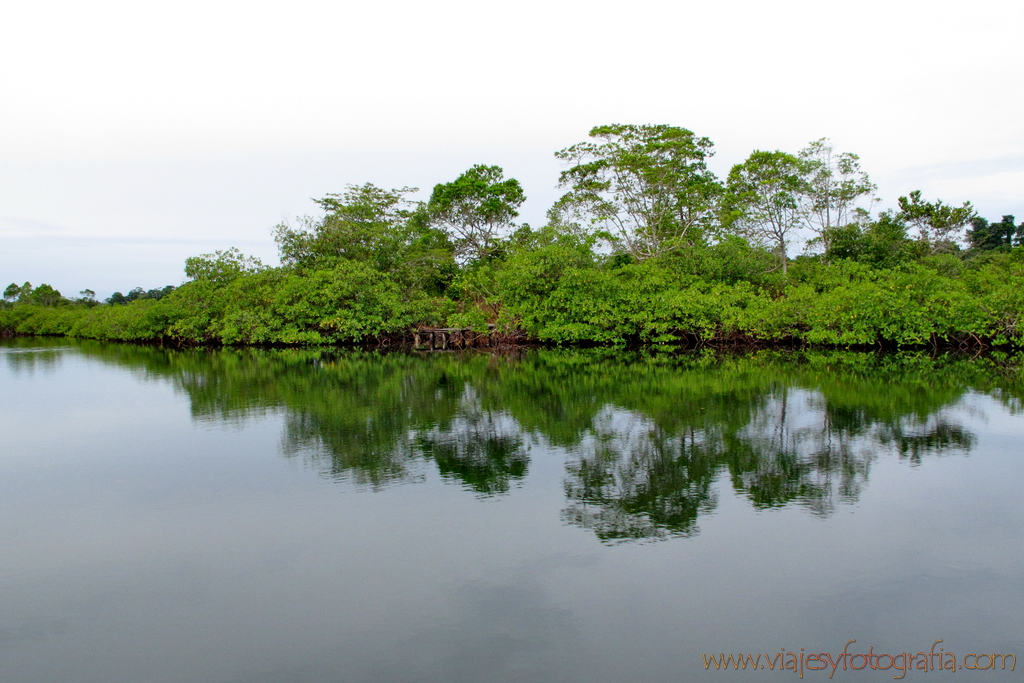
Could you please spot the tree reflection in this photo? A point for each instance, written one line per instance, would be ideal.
(477, 453)
(24, 357)
(649, 437)
(636, 483)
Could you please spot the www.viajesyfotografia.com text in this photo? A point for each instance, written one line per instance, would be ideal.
(935, 659)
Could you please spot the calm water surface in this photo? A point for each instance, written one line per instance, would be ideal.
(580, 516)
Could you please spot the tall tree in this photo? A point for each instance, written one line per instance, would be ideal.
(220, 267)
(477, 209)
(834, 188)
(43, 295)
(984, 235)
(938, 225)
(764, 192)
(646, 189)
(13, 290)
(382, 228)
(363, 223)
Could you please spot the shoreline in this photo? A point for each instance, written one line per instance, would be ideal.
(419, 341)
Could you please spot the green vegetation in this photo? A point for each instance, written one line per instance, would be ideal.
(646, 246)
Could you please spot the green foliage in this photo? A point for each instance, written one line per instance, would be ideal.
(144, 320)
(833, 187)
(1004, 235)
(365, 223)
(221, 267)
(646, 189)
(378, 227)
(882, 243)
(912, 306)
(938, 225)
(140, 293)
(347, 302)
(648, 301)
(764, 199)
(533, 271)
(476, 209)
(730, 260)
(12, 291)
(43, 295)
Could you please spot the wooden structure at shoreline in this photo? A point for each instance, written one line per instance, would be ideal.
(445, 338)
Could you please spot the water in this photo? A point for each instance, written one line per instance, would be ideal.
(551, 515)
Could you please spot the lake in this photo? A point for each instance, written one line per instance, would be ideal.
(562, 515)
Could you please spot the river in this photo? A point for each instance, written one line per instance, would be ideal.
(548, 515)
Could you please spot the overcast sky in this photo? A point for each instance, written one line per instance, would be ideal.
(133, 135)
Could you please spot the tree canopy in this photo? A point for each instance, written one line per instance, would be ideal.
(939, 225)
(1002, 235)
(835, 187)
(764, 196)
(476, 209)
(646, 189)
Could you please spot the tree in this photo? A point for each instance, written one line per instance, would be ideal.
(219, 267)
(87, 297)
(834, 187)
(13, 291)
(160, 293)
(938, 224)
(364, 223)
(646, 189)
(205, 267)
(984, 235)
(379, 227)
(764, 192)
(43, 295)
(882, 243)
(476, 209)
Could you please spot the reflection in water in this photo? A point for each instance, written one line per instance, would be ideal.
(25, 359)
(647, 434)
(483, 449)
(631, 480)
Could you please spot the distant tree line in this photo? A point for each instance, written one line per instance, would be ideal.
(139, 293)
(45, 295)
(645, 245)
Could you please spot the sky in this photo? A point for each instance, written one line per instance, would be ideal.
(134, 135)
